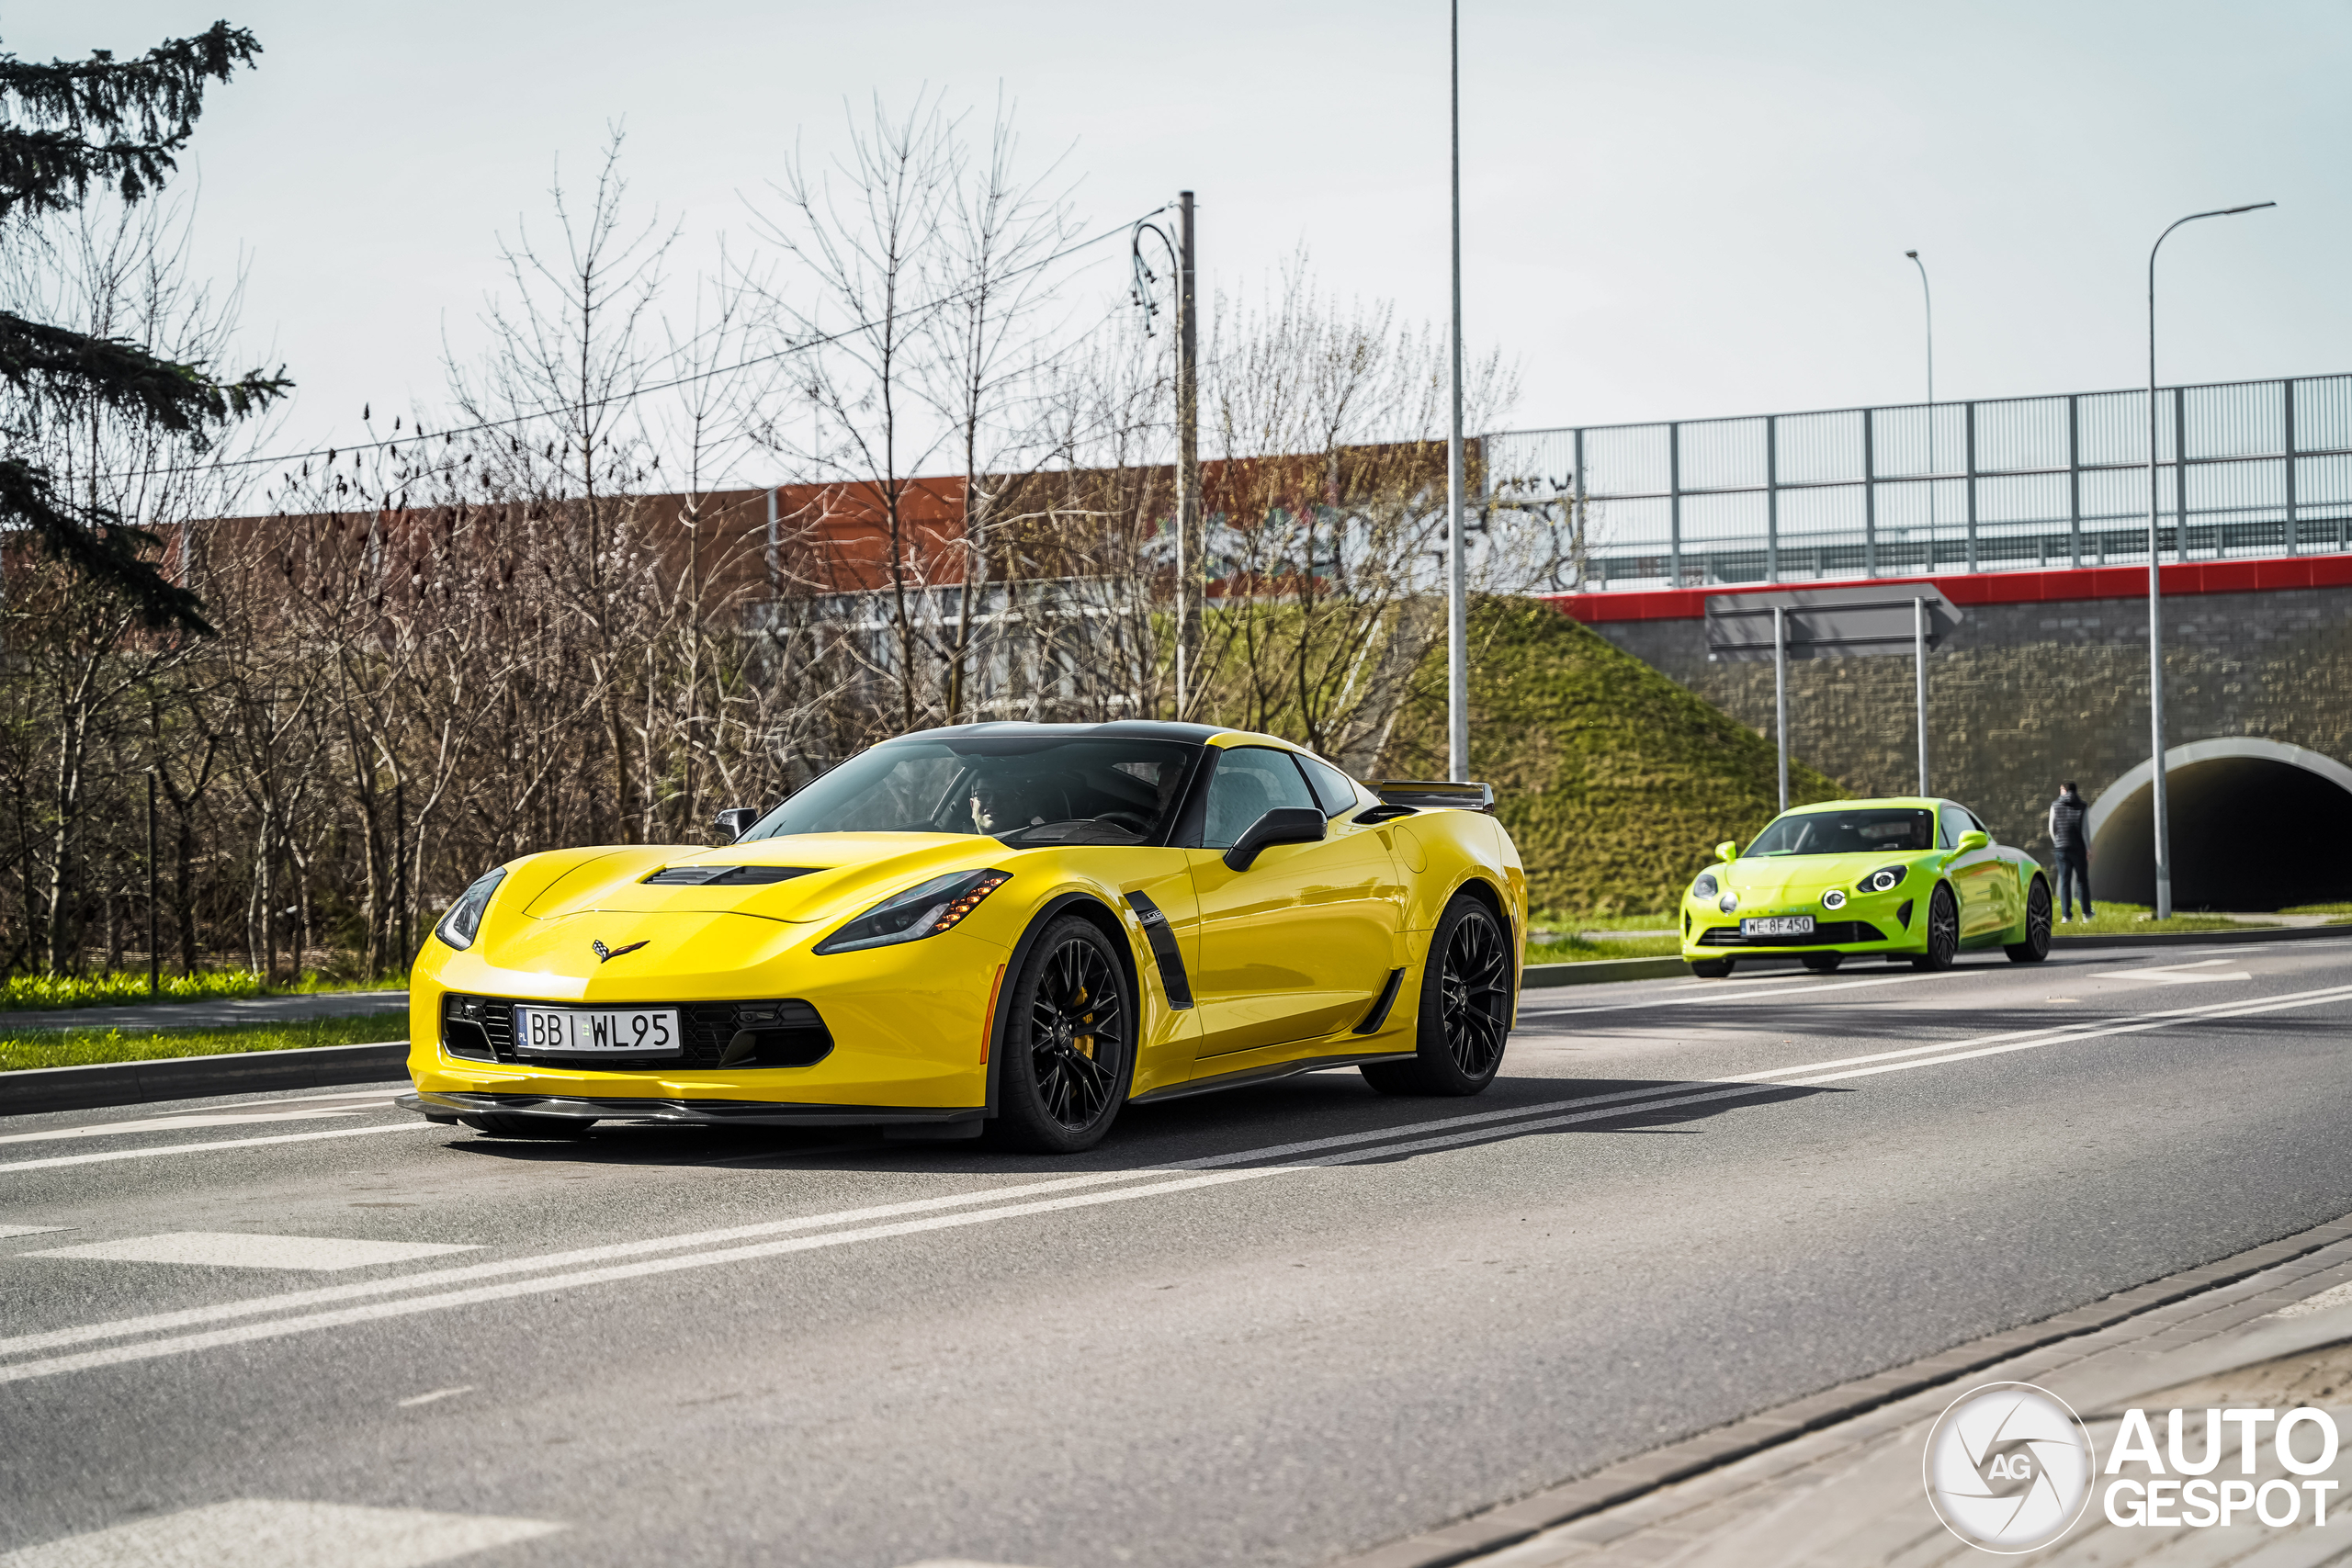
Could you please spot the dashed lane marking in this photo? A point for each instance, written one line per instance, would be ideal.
(238, 1117)
(254, 1532)
(9, 1232)
(415, 1400)
(241, 1250)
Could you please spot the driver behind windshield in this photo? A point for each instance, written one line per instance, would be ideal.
(1003, 805)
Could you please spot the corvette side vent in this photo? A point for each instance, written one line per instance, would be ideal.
(724, 875)
(1437, 794)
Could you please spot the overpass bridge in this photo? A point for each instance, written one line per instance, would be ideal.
(2031, 513)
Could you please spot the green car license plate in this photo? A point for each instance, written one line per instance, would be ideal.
(1777, 925)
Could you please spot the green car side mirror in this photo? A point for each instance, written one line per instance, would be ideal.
(1727, 849)
(1973, 839)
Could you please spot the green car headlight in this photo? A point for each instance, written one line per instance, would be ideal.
(463, 922)
(1705, 886)
(1886, 879)
(925, 910)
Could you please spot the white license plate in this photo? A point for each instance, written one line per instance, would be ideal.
(594, 1031)
(1777, 925)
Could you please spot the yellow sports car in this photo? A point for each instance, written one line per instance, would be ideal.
(1012, 926)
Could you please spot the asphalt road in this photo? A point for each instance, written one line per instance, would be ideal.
(1271, 1326)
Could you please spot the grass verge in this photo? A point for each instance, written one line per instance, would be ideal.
(33, 993)
(2132, 920)
(23, 1048)
(1576, 950)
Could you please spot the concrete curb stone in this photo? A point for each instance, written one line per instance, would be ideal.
(191, 1078)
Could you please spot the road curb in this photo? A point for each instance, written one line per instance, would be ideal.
(1600, 971)
(1507, 1526)
(192, 1077)
(2060, 941)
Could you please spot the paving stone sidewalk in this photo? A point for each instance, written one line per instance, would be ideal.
(210, 1014)
(1850, 1496)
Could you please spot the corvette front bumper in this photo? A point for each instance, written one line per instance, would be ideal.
(448, 1105)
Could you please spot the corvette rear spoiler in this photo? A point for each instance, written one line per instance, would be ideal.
(1436, 794)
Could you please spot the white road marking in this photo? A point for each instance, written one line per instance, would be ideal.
(240, 1250)
(1683, 999)
(53, 1161)
(2176, 974)
(254, 1532)
(1578, 1112)
(412, 1400)
(9, 1232)
(173, 1124)
(1471, 1128)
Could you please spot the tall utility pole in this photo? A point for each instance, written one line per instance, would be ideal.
(1189, 543)
(1928, 300)
(1457, 628)
(2156, 583)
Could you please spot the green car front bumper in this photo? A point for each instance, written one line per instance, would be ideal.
(1894, 922)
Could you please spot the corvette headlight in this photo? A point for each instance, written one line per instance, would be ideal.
(463, 922)
(1727, 903)
(925, 910)
(1886, 879)
(1705, 886)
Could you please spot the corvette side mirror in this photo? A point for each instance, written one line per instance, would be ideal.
(1284, 825)
(1727, 851)
(1973, 839)
(736, 820)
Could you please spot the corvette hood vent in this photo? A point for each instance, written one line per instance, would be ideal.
(726, 876)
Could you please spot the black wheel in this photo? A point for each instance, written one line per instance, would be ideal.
(518, 1124)
(2036, 945)
(1465, 1008)
(1070, 1042)
(1711, 968)
(1943, 933)
(1824, 962)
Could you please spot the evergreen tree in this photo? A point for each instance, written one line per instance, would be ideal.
(68, 127)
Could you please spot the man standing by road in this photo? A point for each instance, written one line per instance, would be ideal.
(2072, 844)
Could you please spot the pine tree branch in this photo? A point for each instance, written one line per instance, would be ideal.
(38, 358)
(106, 121)
(100, 546)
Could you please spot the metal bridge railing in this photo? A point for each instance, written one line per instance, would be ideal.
(2245, 469)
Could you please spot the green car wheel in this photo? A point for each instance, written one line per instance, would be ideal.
(2036, 945)
(1943, 933)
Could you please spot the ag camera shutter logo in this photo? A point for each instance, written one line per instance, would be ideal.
(2008, 1467)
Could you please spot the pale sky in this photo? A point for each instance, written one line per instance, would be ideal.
(1669, 209)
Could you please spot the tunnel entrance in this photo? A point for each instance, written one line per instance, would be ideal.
(2256, 826)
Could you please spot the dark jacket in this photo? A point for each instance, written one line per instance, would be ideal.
(2066, 817)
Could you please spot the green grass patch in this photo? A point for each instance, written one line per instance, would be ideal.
(28, 993)
(23, 1048)
(2132, 919)
(2340, 910)
(1576, 950)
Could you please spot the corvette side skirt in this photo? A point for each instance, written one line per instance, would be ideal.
(1263, 1075)
(446, 1104)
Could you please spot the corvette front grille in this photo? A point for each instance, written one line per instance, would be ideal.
(783, 1033)
(1824, 933)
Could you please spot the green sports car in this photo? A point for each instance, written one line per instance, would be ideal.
(1906, 878)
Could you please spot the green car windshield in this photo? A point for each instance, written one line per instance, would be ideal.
(1899, 828)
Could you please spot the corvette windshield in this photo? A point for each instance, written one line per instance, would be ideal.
(1895, 828)
(1072, 789)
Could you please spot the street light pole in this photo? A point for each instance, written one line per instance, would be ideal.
(2155, 580)
(1457, 629)
(1928, 300)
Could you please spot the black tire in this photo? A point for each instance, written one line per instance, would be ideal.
(1823, 963)
(1943, 933)
(1465, 1009)
(2036, 945)
(519, 1124)
(1711, 968)
(1070, 1042)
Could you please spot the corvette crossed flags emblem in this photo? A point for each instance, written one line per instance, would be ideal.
(606, 954)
